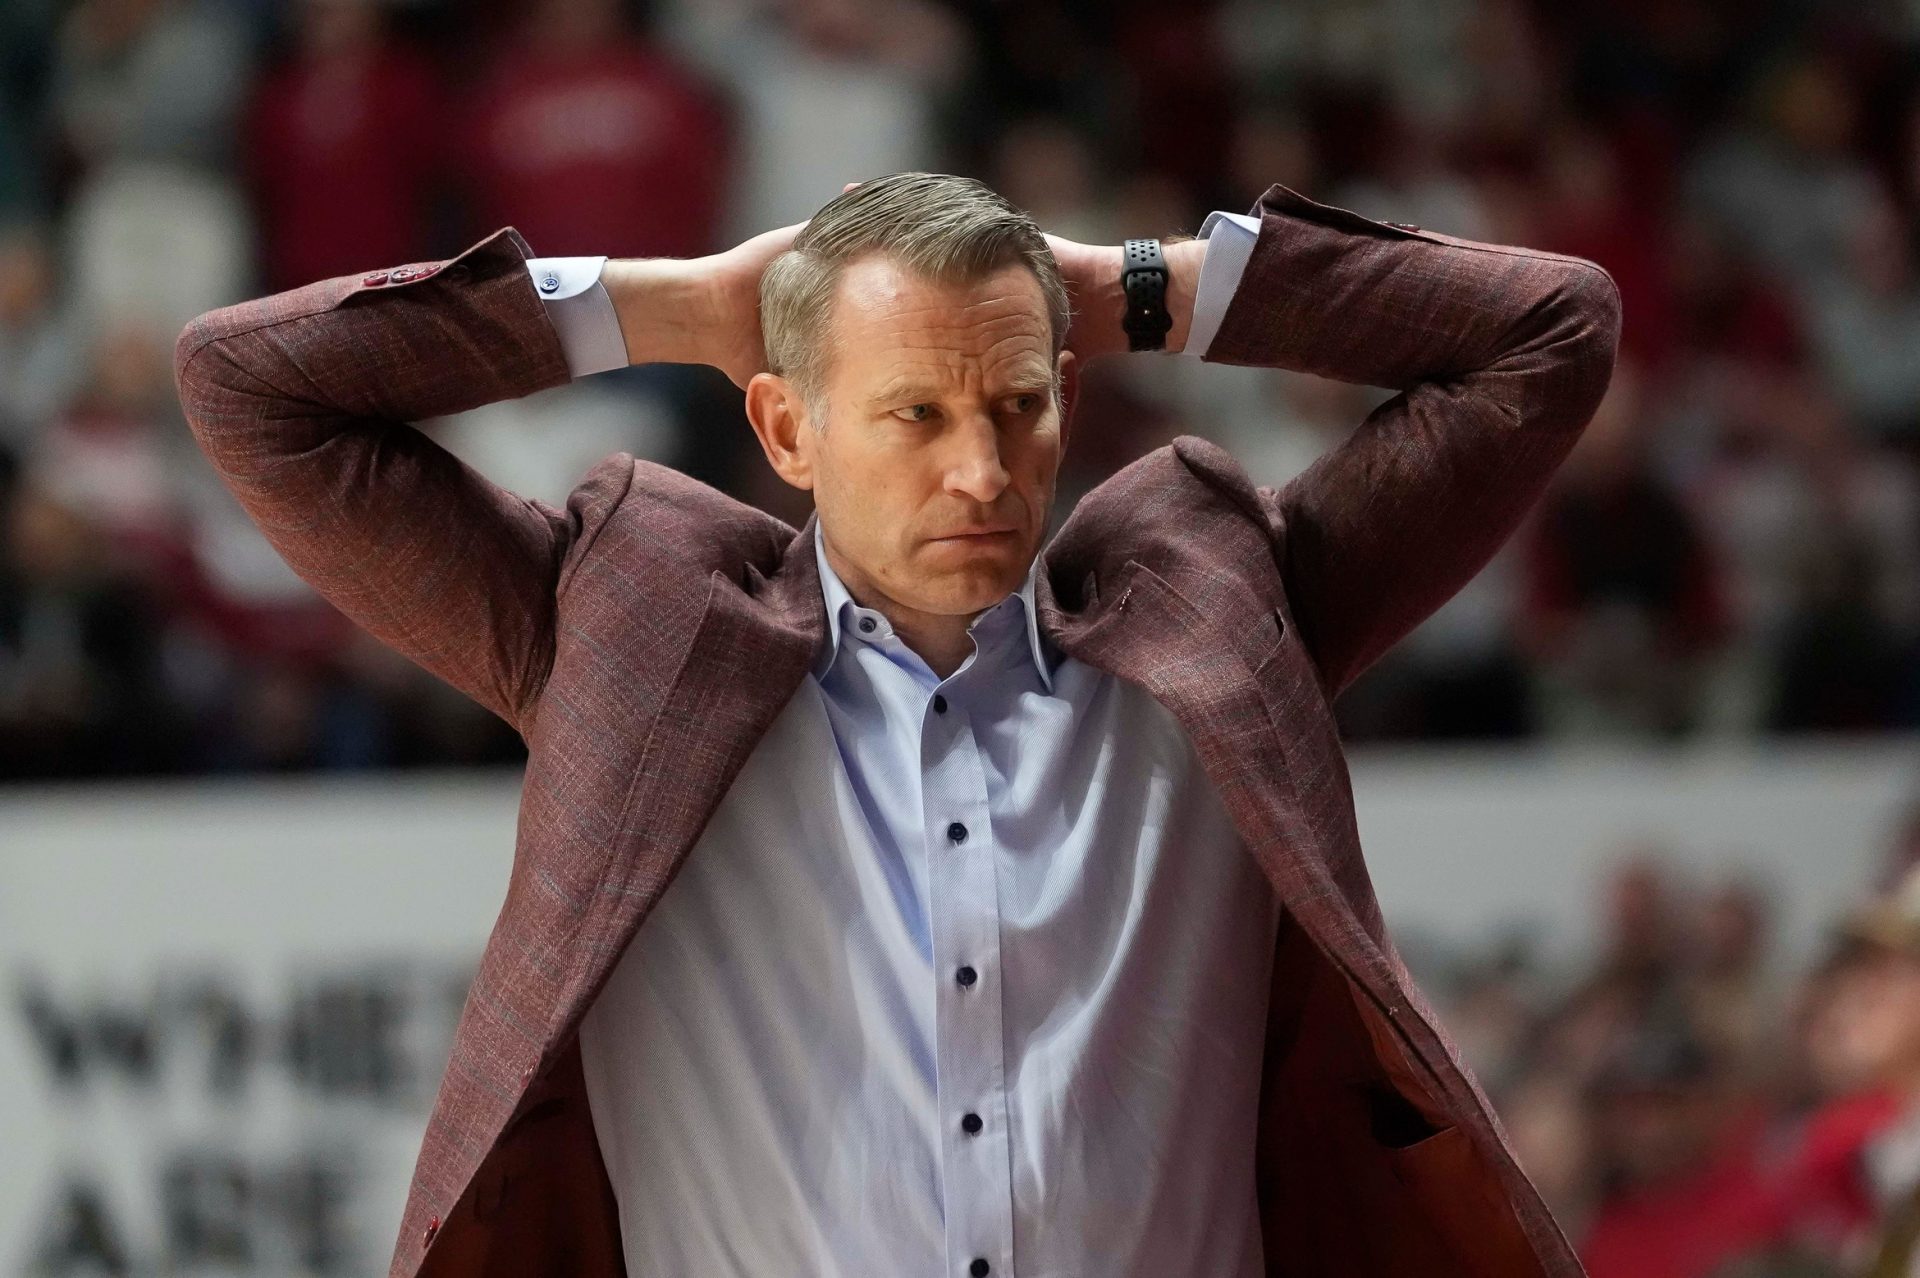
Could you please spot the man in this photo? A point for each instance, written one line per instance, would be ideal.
(1025, 928)
(1877, 1029)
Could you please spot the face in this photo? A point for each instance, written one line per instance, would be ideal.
(1872, 1019)
(934, 470)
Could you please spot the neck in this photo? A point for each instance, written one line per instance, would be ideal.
(942, 642)
(939, 639)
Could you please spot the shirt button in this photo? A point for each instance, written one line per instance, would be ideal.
(970, 1124)
(966, 976)
(549, 283)
(979, 1268)
(939, 704)
(866, 625)
(956, 833)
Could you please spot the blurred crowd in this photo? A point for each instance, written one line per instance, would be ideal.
(1732, 550)
(1692, 1110)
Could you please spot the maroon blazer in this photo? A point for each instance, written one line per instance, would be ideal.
(643, 638)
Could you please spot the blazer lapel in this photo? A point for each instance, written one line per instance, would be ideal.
(751, 649)
(1126, 619)
(1140, 629)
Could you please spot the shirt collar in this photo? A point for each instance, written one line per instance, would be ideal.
(841, 604)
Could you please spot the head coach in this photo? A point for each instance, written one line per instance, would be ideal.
(899, 896)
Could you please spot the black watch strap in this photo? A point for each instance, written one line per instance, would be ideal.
(1143, 278)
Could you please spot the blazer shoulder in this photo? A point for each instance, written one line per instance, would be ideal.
(674, 524)
(1188, 503)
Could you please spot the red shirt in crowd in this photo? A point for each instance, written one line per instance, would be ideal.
(613, 150)
(1689, 1225)
(1811, 1197)
(343, 156)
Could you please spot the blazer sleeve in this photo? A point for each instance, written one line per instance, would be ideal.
(1499, 356)
(302, 402)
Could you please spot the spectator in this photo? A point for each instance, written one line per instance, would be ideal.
(1681, 1192)
(158, 81)
(1729, 996)
(1047, 167)
(113, 450)
(1820, 539)
(1867, 325)
(1623, 601)
(1735, 547)
(81, 689)
(1799, 165)
(155, 245)
(591, 141)
(826, 91)
(1588, 210)
(343, 148)
(1881, 1039)
(1409, 181)
(40, 337)
(1730, 311)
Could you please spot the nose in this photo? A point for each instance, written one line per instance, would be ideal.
(975, 471)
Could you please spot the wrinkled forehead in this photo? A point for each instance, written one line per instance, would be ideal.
(886, 316)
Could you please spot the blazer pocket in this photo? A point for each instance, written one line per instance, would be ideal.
(1437, 1168)
(1284, 670)
(1465, 1204)
(1397, 1123)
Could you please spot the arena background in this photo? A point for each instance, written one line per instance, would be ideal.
(1618, 796)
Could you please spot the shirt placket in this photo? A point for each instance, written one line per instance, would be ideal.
(969, 1047)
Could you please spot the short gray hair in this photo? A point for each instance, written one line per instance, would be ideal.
(940, 227)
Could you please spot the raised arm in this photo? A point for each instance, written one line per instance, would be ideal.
(302, 402)
(1500, 356)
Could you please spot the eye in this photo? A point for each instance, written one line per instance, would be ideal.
(1025, 403)
(915, 413)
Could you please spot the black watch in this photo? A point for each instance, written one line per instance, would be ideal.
(1143, 278)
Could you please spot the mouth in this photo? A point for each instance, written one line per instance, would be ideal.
(977, 535)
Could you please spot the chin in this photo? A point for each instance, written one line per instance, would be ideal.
(970, 587)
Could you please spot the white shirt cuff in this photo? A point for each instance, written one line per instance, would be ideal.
(1230, 238)
(582, 312)
(590, 338)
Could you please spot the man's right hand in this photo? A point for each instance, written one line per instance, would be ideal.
(734, 275)
(703, 310)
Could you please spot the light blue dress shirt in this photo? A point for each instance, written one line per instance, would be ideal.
(962, 973)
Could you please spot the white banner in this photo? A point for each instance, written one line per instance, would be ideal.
(226, 1009)
(227, 1005)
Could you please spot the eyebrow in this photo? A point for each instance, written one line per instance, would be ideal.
(1029, 379)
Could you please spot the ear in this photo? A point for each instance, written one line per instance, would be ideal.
(779, 418)
(1069, 372)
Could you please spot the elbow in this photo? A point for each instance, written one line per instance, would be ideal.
(189, 379)
(1583, 340)
(213, 395)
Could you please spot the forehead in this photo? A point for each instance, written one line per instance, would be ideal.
(886, 318)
